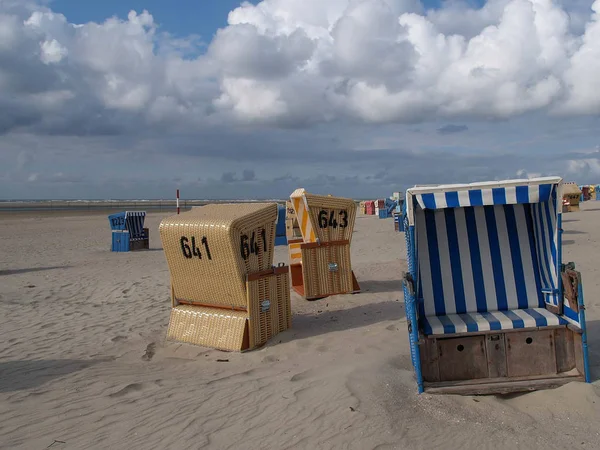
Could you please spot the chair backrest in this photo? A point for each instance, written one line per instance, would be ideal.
(324, 217)
(478, 259)
(132, 221)
(135, 223)
(117, 221)
(211, 249)
(481, 250)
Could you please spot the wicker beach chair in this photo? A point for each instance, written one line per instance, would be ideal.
(572, 194)
(320, 260)
(225, 292)
(490, 306)
(128, 232)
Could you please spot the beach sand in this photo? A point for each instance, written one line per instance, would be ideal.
(84, 363)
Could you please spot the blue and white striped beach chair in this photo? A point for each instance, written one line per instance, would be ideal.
(484, 295)
(128, 232)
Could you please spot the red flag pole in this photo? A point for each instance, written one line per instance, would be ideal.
(177, 201)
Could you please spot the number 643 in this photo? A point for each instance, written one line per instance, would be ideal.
(328, 219)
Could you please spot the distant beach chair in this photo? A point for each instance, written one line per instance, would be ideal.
(128, 232)
(490, 306)
(399, 216)
(388, 208)
(225, 291)
(320, 259)
(572, 194)
(280, 229)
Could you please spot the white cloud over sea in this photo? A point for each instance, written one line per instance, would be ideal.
(341, 95)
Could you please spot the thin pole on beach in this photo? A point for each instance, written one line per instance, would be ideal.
(177, 201)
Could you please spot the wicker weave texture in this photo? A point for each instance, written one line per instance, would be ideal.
(326, 270)
(269, 312)
(332, 217)
(295, 253)
(269, 308)
(209, 327)
(211, 249)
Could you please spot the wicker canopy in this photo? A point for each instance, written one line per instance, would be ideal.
(211, 249)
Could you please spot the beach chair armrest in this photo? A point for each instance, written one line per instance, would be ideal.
(408, 283)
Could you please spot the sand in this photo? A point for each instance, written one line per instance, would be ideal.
(84, 363)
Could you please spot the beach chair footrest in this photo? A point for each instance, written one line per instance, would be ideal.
(267, 314)
(497, 357)
(503, 386)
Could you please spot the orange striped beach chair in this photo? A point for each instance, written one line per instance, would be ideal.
(320, 263)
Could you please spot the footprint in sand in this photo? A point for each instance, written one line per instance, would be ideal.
(150, 351)
(303, 344)
(270, 359)
(391, 328)
(302, 375)
(119, 338)
(133, 387)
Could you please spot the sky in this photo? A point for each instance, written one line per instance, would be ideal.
(359, 98)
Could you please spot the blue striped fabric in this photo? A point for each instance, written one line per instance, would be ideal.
(494, 320)
(135, 224)
(509, 195)
(477, 259)
(546, 238)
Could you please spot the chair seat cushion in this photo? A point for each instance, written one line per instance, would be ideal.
(495, 320)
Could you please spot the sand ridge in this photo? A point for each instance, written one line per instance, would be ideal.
(84, 363)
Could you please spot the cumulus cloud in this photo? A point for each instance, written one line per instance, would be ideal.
(297, 62)
(584, 167)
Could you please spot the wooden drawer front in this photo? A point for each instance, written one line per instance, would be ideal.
(462, 358)
(530, 353)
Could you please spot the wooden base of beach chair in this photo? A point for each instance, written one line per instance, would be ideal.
(495, 362)
(140, 244)
(502, 386)
(267, 314)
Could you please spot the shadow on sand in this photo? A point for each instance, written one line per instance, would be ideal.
(309, 325)
(31, 269)
(376, 286)
(28, 374)
(574, 232)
